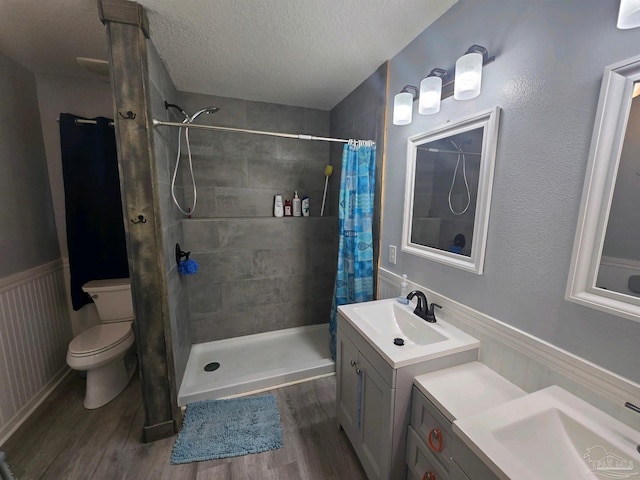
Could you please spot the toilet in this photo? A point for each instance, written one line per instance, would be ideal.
(101, 350)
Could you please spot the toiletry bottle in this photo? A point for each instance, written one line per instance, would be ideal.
(297, 205)
(278, 208)
(305, 206)
(287, 208)
(404, 291)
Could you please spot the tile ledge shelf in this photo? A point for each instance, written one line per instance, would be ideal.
(326, 217)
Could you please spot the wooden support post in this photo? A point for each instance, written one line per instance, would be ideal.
(127, 36)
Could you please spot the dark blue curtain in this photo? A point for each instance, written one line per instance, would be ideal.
(95, 229)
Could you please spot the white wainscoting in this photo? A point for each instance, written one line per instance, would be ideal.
(527, 361)
(34, 335)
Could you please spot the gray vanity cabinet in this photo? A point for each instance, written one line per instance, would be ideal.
(434, 450)
(441, 456)
(373, 400)
(364, 408)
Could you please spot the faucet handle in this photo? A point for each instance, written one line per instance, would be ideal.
(431, 314)
(631, 406)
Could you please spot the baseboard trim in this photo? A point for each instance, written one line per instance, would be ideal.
(158, 431)
(588, 375)
(25, 412)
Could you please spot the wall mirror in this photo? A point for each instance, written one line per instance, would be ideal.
(448, 191)
(605, 268)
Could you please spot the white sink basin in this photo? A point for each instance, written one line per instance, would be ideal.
(392, 321)
(552, 434)
(382, 321)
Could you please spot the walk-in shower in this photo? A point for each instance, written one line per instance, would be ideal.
(251, 363)
(257, 307)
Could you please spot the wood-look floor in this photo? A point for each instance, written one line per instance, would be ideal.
(62, 440)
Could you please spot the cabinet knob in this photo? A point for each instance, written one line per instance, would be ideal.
(429, 476)
(353, 363)
(358, 371)
(437, 434)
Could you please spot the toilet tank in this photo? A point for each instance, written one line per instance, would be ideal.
(112, 298)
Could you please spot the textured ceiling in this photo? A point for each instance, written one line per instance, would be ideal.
(297, 52)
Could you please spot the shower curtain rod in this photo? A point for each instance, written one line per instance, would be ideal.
(298, 136)
(89, 122)
(437, 150)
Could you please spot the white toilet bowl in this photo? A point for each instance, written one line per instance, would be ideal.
(101, 350)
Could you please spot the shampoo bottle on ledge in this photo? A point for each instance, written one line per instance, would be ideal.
(278, 208)
(297, 205)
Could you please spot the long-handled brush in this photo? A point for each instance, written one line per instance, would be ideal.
(328, 170)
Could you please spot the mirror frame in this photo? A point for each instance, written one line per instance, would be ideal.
(609, 131)
(489, 120)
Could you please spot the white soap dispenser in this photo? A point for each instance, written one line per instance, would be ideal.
(404, 291)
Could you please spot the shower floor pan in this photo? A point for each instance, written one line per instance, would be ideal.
(257, 362)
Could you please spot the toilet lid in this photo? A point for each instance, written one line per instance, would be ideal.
(100, 338)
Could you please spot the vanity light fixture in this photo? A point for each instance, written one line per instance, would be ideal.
(468, 79)
(441, 84)
(629, 14)
(431, 92)
(403, 105)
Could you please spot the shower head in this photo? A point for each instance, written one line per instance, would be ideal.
(207, 110)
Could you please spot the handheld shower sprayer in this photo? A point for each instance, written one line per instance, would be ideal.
(207, 110)
(187, 121)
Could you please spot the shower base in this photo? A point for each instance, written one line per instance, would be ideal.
(257, 362)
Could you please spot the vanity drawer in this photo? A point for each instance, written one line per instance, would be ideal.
(455, 473)
(469, 463)
(421, 463)
(432, 427)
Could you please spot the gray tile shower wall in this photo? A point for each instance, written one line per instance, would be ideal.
(257, 273)
(165, 143)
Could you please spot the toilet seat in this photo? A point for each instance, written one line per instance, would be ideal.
(100, 338)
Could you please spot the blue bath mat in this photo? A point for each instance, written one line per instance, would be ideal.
(228, 428)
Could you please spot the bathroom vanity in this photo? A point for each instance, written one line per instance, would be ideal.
(469, 423)
(434, 451)
(375, 376)
(415, 403)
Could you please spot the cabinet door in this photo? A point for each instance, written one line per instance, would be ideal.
(376, 413)
(347, 386)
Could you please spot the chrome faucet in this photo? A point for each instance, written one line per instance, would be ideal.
(423, 309)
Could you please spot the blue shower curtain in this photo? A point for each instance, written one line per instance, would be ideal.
(354, 278)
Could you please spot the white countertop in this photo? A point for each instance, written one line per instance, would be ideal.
(466, 389)
(365, 317)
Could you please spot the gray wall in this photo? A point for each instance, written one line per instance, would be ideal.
(257, 273)
(546, 79)
(28, 233)
(165, 142)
